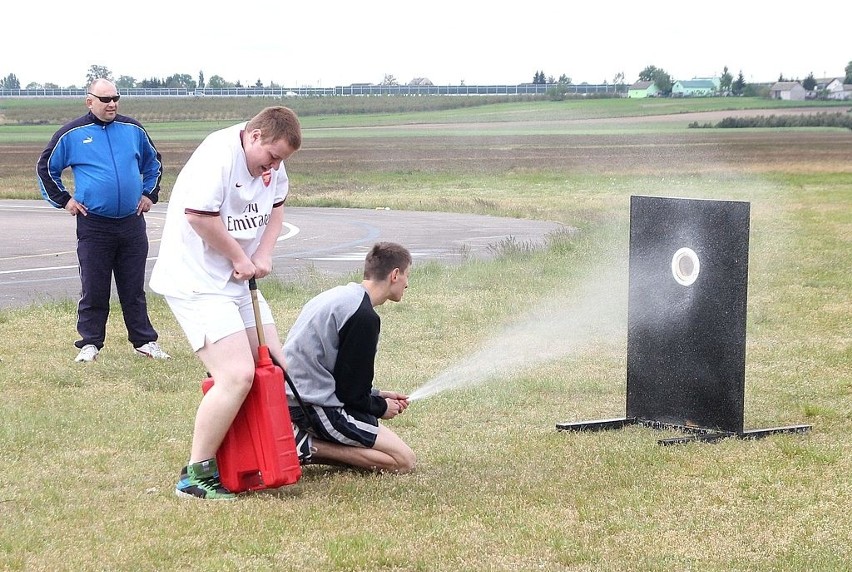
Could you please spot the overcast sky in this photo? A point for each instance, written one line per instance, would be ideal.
(329, 43)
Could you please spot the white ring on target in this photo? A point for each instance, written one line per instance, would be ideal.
(685, 266)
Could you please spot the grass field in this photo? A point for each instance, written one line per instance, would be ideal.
(90, 453)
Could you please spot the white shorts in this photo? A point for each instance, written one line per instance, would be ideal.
(214, 316)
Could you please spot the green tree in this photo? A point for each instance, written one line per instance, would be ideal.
(11, 81)
(98, 72)
(218, 82)
(558, 92)
(809, 83)
(664, 83)
(389, 79)
(33, 85)
(648, 74)
(725, 80)
(258, 83)
(180, 80)
(125, 81)
(618, 79)
(154, 82)
(848, 73)
(738, 87)
(756, 90)
(201, 79)
(661, 79)
(564, 80)
(539, 77)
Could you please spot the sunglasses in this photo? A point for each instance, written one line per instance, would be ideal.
(106, 98)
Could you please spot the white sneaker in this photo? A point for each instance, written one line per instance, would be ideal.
(88, 353)
(152, 350)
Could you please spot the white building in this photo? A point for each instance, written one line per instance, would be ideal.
(789, 90)
(836, 89)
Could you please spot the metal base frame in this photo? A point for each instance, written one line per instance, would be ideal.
(700, 434)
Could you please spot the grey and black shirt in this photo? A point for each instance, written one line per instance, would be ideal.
(331, 351)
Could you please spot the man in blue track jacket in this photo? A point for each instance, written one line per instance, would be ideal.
(117, 173)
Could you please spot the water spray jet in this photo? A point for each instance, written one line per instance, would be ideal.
(561, 324)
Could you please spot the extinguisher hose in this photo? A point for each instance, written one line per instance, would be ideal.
(253, 289)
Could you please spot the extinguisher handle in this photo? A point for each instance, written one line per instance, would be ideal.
(288, 379)
(256, 307)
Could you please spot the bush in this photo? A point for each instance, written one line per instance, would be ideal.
(837, 119)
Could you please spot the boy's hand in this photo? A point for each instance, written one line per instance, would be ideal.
(397, 403)
(262, 265)
(244, 270)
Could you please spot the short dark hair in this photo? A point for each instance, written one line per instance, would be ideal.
(383, 258)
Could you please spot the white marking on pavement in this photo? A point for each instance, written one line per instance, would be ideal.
(292, 230)
(45, 268)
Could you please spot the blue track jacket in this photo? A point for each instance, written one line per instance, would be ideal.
(114, 164)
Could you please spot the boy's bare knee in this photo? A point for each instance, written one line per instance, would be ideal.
(237, 382)
(406, 462)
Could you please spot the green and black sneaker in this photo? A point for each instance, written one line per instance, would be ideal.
(201, 481)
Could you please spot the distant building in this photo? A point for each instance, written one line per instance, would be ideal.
(717, 82)
(827, 83)
(643, 89)
(695, 88)
(845, 93)
(788, 90)
(833, 88)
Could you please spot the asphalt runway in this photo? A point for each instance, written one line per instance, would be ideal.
(38, 261)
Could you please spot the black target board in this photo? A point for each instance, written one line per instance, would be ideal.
(687, 296)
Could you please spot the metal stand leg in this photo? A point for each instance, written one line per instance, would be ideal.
(698, 434)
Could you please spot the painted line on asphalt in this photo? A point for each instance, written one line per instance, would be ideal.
(292, 230)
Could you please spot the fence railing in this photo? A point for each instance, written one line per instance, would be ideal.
(345, 90)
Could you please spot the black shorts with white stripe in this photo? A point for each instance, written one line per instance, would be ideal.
(338, 425)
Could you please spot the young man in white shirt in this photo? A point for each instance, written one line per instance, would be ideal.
(225, 214)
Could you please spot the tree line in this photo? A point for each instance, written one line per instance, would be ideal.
(658, 76)
(727, 83)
